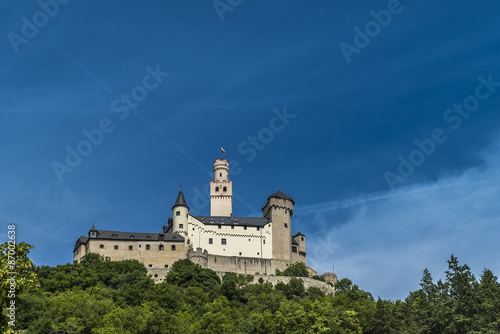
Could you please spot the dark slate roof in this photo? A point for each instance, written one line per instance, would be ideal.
(181, 201)
(81, 240)
(299, 234)
(120, 235)
(294, 242)
(282, 195)
(236, 221)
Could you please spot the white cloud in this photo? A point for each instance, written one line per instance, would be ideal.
(388, 238)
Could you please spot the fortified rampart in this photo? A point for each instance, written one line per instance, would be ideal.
(238, 264)
(158, 275)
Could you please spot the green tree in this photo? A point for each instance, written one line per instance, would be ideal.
(16, 277)
(185, 273)
(297, 269)
(488, 291)
(462, 303)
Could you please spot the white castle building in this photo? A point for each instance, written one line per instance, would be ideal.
(220, 241)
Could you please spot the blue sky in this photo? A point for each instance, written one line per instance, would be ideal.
(388, 174)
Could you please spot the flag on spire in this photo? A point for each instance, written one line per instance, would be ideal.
(222, 150)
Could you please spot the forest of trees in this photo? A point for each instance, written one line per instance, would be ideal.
(99, 296)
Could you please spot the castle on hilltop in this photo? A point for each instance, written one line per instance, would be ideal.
(221, 241)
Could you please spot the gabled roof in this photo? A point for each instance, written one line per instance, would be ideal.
(81, 240)
(181, 201)
(299, 234)
(236, 221)
(282, 195)
(121, 235)
(294, 242)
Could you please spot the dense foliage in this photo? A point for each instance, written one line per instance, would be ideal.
(101, 297)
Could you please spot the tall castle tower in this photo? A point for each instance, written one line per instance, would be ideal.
(279, 210)
(221, 190)
(180, 213)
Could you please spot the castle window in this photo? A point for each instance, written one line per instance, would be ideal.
(177, 213)
(235, 221)
(216, 188)
(220, 226)
(93, 234)
(114, 236)
(222, 221)
(147, 247)
(224, 189)
(166, 266)
(131, 237)
(240, 253)
(211, 220)
(220, 174)
(232, 227)
(286, 225)
(294, 249)
(148, 237)
(181, 225)
(210, 241)
(258, 228)
(173, 247)
(116, 246)
(223, 241)
(101, 246)
(244, 227)
(301, 238)
(264, 241)
(150, 265)
(160, 247)
(130, 247)
(258, 253)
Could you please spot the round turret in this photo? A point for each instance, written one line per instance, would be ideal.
(180, 212)
(221, 170)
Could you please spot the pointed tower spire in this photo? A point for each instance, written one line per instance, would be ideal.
(181, 201)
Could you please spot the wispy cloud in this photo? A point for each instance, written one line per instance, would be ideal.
(387, 239)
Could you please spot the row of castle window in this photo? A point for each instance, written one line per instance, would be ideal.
(223, 241)
(160, 247)
(224, 189)
(220, 227)
(115, 236)
(151, 266)
(244, 227)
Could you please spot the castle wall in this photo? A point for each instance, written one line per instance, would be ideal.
(250, 242)
(153, 257)
(158, 275)
(236, 264)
